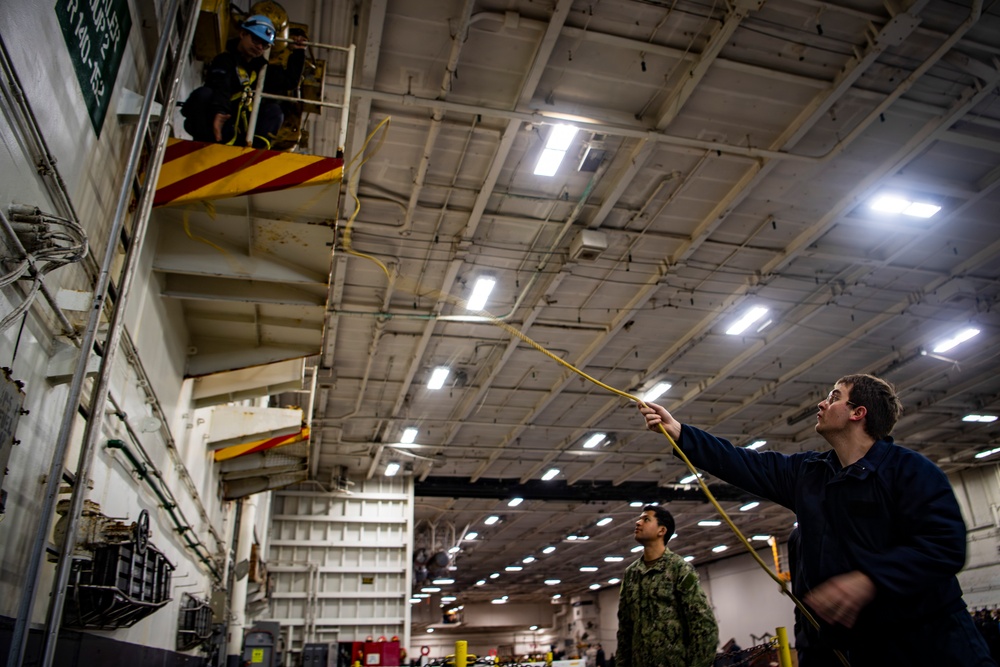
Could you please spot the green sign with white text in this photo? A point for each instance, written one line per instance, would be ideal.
(95, 32)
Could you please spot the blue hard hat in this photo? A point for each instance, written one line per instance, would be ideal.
(260, 26)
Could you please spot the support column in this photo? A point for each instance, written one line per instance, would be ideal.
(238, 594)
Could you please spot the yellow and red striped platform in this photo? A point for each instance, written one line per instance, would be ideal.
(233, 451)
(194, 171)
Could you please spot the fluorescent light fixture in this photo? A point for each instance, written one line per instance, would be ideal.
(448, 598)
(672, 536)
(442, 582)
(421, 595)
(391, 468)
(690, 478)
(557, 596)
(636, 503)
(513, 568)
(709, 523)
(498, 601)
(594, 440)
(471, 535)
(553, 582)
(481, 582)
(494, 575)
(549, 474)
(490, 520)
(742, 324)
(766, 324)
(613, 559)
(548, 550)
(605, 521)
(430, 631)
(895, 204)
(480, 293)
(414, 600)
(514, 502)
(988, 452)
(749, 506)
(889, 204)
(588, 568)
(572, 538)
(409, 435)
(438, 377)
(761, 538)
(657, 390)
(636, 549)
(430, 589)
(921, 210)
(614, 580)
(688, 558)
(719, 549)
(533, 627)
(558, 142)
(757, 444)
(957, 339)
(528, 559)
(594, 587)
(548, 163)
(560, 137)
(985, 419)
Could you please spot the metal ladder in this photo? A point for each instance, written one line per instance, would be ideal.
(110, 294)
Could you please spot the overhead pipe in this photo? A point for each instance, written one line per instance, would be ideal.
(506, 142)
(100, 389)
(940, 52)
(457, 42)
(539, 117)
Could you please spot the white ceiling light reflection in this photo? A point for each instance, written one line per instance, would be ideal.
(957, 339)
(742, 324)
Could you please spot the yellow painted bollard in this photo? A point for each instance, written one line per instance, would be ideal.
(461, 653)
(548, 658)
(784, 653)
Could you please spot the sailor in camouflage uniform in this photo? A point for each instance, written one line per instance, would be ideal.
(664, 618)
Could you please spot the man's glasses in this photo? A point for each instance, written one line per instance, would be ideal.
(834, 396)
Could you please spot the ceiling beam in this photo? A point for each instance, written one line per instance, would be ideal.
(595, 491)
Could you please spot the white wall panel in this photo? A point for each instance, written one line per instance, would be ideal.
(341, 562)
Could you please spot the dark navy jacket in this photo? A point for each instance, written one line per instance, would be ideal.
(892, 515)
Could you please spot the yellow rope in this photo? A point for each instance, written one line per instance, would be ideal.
(352, 190)
(513, 331)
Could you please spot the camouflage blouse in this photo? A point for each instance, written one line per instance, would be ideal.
(664, 618)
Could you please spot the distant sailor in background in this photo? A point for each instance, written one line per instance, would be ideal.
(664, 618)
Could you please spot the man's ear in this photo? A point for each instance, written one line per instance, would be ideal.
(859, 413)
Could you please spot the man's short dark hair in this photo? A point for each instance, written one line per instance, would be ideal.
(663, 518)
(880, 401)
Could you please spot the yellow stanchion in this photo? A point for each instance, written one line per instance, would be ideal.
(461, 653)
(784, 653)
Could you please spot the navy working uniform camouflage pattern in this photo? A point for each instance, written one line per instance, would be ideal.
(664, 619)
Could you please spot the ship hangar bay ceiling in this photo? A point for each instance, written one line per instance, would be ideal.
(726, 157)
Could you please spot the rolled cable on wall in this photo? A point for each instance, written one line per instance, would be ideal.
(42, 243)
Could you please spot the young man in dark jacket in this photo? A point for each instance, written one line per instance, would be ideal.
(882, 537)
(220, 110)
